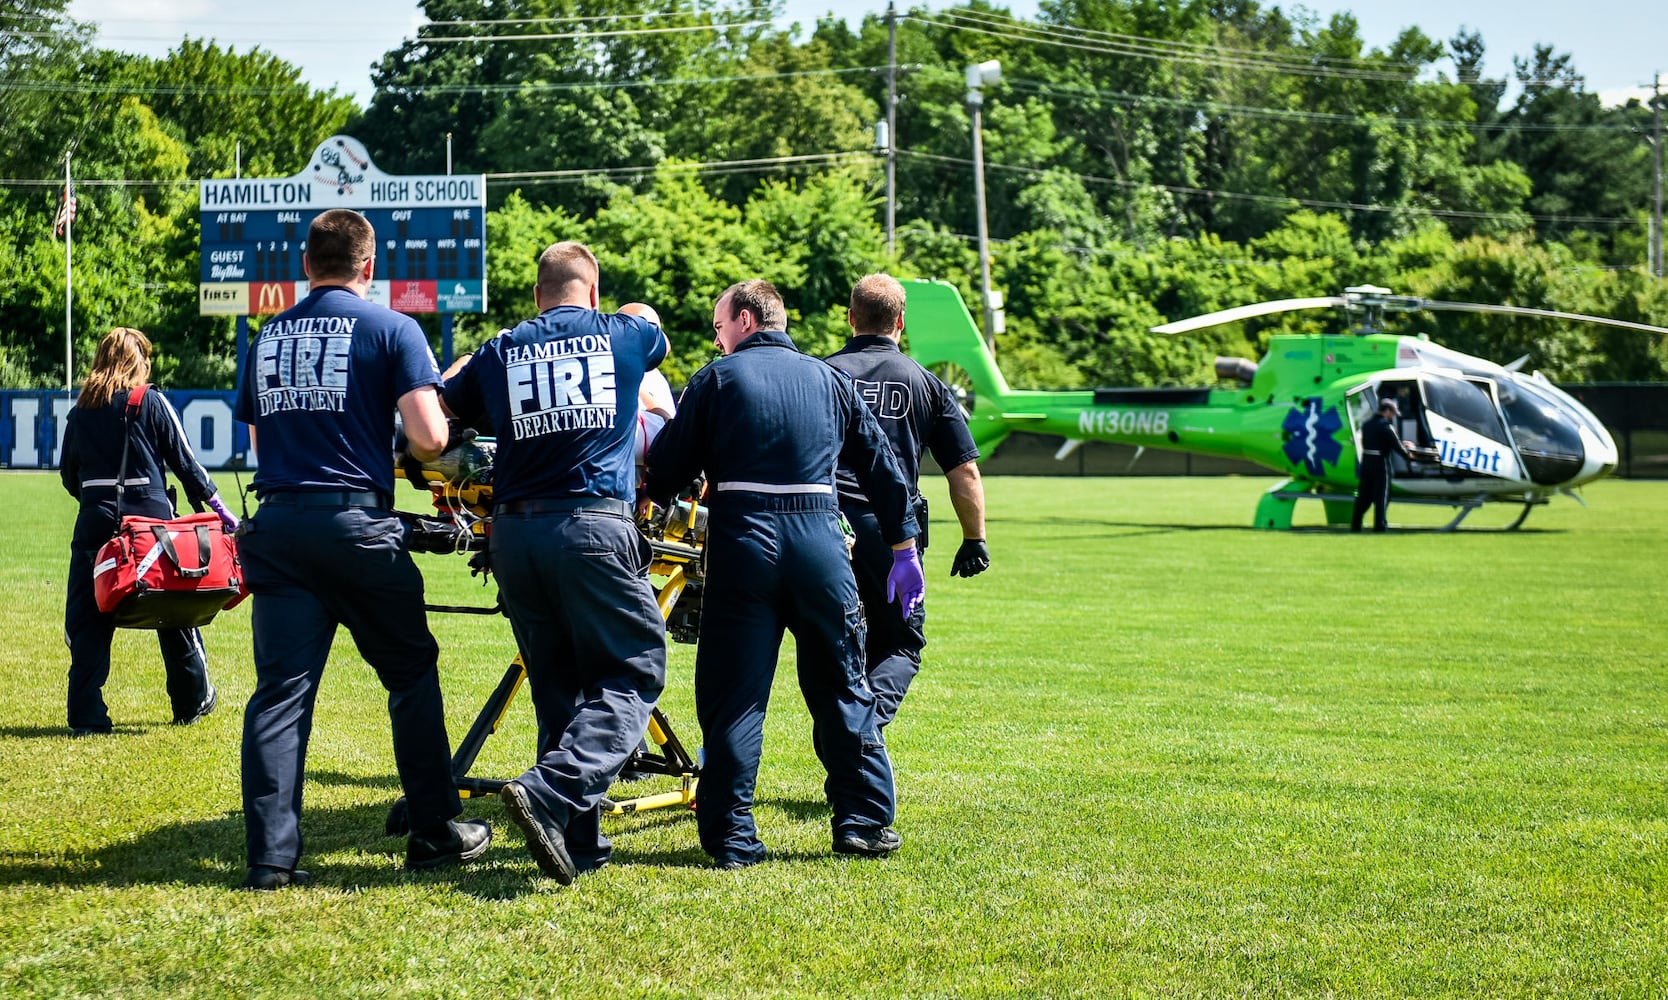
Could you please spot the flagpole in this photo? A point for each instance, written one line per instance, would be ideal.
(69, 287)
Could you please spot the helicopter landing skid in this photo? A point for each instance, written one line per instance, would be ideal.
(1274, 510)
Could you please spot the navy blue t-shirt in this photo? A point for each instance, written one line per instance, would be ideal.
(560, 392)
(916, 410)
(321, 385)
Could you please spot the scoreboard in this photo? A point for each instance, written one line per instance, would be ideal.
(430, 235)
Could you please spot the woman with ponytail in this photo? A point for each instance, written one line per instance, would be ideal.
(92, 458)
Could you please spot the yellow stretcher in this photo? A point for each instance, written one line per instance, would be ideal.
(462, 501)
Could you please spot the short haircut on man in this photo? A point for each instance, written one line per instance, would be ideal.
(339, 242)
(877, 300)
(761, 298)
(567, 267)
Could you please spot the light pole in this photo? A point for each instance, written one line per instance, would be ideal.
(980, 75)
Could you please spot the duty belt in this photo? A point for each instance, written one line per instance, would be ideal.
(1375, 454)
(328, 498)
(778, 489)
(565, 505)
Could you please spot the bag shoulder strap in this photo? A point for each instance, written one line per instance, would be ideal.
(135, 397)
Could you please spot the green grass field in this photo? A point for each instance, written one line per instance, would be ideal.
(1153, 753)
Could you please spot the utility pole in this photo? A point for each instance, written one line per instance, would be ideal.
(1657, 268)
(891, 128)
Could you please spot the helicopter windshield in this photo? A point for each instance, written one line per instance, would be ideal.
(1548, 443)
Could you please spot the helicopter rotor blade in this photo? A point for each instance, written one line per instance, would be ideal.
(1437, 306)
(1247, 312)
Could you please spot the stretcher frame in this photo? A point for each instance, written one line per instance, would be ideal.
(676, 563)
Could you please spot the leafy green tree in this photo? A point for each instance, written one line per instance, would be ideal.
(218, 102)
(677, 247)
(1587, 167)
(823, 236)
(42, 61)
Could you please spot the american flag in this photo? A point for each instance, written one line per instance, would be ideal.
(66, 211)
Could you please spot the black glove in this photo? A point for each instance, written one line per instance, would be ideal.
(972, 558)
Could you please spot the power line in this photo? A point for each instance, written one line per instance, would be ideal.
(1280, 199)
(1084, 94)
(1177, 47)
(1143, 47)
(748, 11)
(713, 167)
(439, 88)
(1228, 58)
(591, 35)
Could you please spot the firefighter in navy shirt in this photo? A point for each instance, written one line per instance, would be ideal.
(1378, 441)
(95, 434)
(561, 390)
(917, 412)
(319, 390)
(767, 425)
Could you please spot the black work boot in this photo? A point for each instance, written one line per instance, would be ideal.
(875, 843)
(452, 844)
(544, 841)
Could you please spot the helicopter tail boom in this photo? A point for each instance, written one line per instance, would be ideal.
(943, 338)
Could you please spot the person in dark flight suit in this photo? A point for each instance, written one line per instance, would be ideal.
(1378, 440)
(95, 434)
(917, 412)
(768, 424)
(319, 390)
(562, 389)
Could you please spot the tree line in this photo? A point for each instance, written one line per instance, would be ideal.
(1144, 161)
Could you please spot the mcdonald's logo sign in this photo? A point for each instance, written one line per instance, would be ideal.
(271, 297)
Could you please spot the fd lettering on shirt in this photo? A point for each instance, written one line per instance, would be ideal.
(560, 386)
(302, 364)
(888, 400)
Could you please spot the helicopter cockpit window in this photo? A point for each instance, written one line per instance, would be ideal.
(1467, 404)
(1548, 443)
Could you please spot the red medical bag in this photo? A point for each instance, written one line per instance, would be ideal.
(165, 573)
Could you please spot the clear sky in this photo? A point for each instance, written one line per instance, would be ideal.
(1616, 44)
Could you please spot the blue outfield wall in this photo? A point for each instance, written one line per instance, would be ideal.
(32, 427)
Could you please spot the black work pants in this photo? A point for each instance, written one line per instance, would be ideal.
(1374, 492)
(894, 642)
(776, 564)
(309, 570)
(88, 632)
(577, 591)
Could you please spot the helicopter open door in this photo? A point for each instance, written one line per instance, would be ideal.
(1462, 416)
(1363, 403)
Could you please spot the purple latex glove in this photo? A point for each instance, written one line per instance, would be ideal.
(226, 517)
(906, 584)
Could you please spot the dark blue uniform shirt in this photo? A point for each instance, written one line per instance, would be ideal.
(769, 415)
(917, 412)
(1378, 435)
(320, 387)
(560, 390)
(92, 455)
